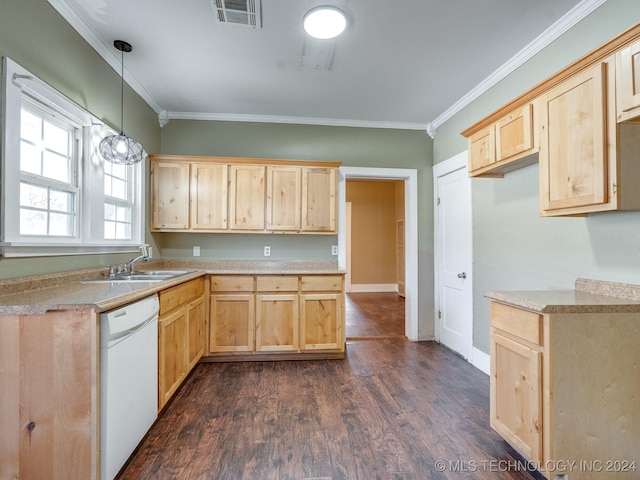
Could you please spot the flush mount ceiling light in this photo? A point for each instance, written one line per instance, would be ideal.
(120, 148)
(324, 22)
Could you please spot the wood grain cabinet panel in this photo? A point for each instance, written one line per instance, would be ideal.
(321, 321)
(628, 82)
(482, 151)
(574, 160)
(232, 322)
(563, 387)
(209, 184)
(277, 322)
(514, 133)
(284, 195)
(319, 199)
(169, 196)
(181, 335)
(247, 197)
(516, 394)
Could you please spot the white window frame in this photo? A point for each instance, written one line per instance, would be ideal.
(16, 83)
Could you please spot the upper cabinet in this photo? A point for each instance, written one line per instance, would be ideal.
(221, 194)
(582, 124)
(573, 157)
(319, 200)
(246, 195)
(505, 145)
(628, 70)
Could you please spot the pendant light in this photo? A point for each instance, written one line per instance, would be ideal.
(120, 148)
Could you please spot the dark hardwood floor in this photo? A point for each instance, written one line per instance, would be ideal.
(374, 315)
(392, 409)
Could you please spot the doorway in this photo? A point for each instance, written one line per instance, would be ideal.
(410, 178)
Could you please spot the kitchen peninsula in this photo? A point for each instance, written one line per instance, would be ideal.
(49, 345)
(565, 370)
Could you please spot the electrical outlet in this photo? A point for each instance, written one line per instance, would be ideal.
(196, 251)
(150, 252)
(334, 249)
(267, 251)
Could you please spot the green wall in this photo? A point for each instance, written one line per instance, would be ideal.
(515, 249)
(354, 147)
(33, 34)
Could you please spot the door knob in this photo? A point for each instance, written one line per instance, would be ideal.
(462, 275)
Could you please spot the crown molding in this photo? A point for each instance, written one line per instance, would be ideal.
(107, 52)
(575, 15)
(329, 122)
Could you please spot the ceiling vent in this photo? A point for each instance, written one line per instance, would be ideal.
(238, 12)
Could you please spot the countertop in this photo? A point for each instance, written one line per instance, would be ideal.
(65, 291)
(589, 296)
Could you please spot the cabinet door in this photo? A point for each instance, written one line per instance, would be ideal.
(514, 133)
(169, 196)
(196, 320)
(209, 196)
(628, 75)
(247, 197)
(276, 323)
(573, 155)
(231, 323)
(482, 150)
(284, 198)
(516, 395)
(321, 322)
(172, 355)
(319, 199)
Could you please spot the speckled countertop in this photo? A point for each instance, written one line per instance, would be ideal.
(65, 291)
(589, 296)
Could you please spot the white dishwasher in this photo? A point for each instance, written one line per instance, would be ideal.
(128, 380)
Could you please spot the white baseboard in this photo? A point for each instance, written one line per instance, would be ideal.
(481, 360)
(374, 288)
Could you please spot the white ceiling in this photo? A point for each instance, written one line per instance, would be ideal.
(400, 64)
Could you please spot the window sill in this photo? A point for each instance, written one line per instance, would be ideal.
(14, 250)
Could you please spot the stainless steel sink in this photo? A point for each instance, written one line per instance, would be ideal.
(148, 276)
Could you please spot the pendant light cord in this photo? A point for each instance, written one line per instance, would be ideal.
(122, 92)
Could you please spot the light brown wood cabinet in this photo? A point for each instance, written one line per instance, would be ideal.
(506, 145)
(563, 388)
(581, 123)
(319, 199)
(226, 195)
(231, 313)
(276, 314)
(188, 196)
(321, 317)
(208, 196)
(587, 160)
(628, 82)
(181, 334)
(247, 197)
(516, 378)
(170, 196)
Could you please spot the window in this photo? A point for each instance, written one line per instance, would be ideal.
(60, 197)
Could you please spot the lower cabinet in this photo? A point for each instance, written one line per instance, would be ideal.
(263, 314)
(181, 335)
(564, 390)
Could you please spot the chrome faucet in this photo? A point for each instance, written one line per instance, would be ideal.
(144, 256)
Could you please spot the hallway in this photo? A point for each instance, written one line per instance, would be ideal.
(374, 315)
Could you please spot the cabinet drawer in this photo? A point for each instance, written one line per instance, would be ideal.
(232, 283)
(180, 294)
(277, 284)
(521, 323)
(319, 283)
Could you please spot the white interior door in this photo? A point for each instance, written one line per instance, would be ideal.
(454, 299)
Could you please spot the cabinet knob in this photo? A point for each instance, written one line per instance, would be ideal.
(462, 275)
